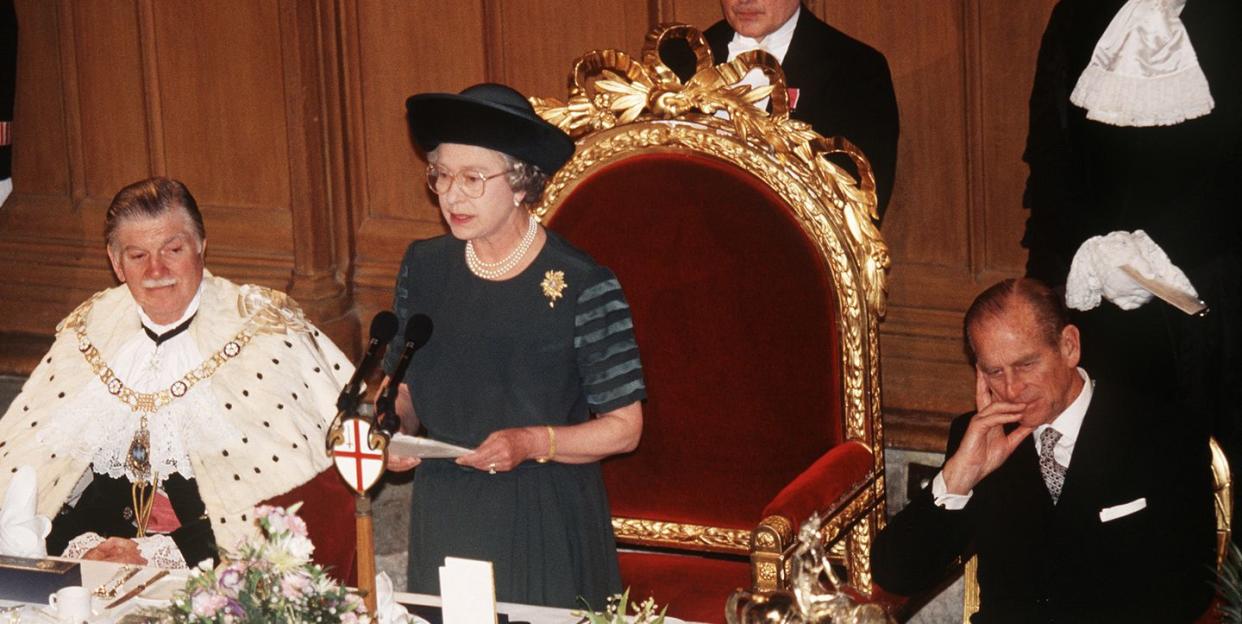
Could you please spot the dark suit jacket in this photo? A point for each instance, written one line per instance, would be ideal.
(1042, 563)
(845, 90)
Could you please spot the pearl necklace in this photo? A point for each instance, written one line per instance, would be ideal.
(493, 270)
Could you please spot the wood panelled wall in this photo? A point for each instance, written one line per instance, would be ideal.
(286, 119)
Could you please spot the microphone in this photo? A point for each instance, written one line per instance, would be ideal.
(417, 333)
(383, 328)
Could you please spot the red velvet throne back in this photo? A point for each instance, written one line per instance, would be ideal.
(735, 320)
(755, 278)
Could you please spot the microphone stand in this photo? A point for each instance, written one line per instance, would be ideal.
(363, 527)
(355, 448)
(366, 553)
(351, 459)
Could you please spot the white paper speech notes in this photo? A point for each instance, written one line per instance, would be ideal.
(468, 591)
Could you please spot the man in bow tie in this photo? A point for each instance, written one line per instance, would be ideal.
(1080, 501)
(171, 405)
(839, 85)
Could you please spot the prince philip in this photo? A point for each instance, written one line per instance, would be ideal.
(1084, 501)
(171, 405)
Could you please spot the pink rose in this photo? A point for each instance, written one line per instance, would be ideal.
(297, 526)
(206, 604)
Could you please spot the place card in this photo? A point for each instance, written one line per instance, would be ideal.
(468, 591)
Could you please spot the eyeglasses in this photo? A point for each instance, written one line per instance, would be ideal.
(471, 183)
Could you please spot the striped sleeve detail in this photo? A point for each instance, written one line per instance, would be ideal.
(608, 361)
(602, 288)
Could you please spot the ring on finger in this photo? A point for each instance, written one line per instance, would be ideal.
(491, 468)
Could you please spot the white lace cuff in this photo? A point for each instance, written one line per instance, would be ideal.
(160, 551)
(81, 545)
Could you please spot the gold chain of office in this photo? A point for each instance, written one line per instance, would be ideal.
(148, 402)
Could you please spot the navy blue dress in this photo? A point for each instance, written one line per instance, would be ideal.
(550, 346)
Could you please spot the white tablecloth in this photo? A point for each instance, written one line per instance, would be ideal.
(96, 573)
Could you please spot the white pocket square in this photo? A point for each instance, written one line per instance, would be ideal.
(1109, 514)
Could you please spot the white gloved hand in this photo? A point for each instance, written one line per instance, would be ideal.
(1162, 269)
(1096, 271)
(22, 532)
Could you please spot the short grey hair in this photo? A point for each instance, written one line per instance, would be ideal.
(1047, 306)
(525, 177)
(153, 197)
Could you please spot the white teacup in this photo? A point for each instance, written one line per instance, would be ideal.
(71, 604)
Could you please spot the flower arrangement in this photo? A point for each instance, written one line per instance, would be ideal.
(615, 611)
(271, 580)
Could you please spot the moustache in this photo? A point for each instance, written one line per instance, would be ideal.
(159, 283)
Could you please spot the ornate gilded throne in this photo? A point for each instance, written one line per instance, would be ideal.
(756, 279)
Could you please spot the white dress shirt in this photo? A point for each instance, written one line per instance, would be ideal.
(1068, 423)
(775, 43)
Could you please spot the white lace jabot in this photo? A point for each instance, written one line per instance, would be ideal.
(1144, 71)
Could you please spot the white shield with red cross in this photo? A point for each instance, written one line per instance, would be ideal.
(358, 463)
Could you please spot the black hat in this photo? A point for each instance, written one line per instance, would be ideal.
(488, 115)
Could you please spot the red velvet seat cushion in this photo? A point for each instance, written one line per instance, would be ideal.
(823, 483)
(736, 321)
(694, 588)
(328, 509)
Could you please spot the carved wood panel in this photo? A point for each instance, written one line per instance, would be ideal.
(949, 246)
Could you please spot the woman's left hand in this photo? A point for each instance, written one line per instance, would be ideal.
(502, 451)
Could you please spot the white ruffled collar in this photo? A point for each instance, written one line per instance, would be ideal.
(1144, 71)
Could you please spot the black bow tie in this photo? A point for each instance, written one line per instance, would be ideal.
(161, 338)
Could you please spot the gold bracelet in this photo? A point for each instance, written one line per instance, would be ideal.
(551, 446)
